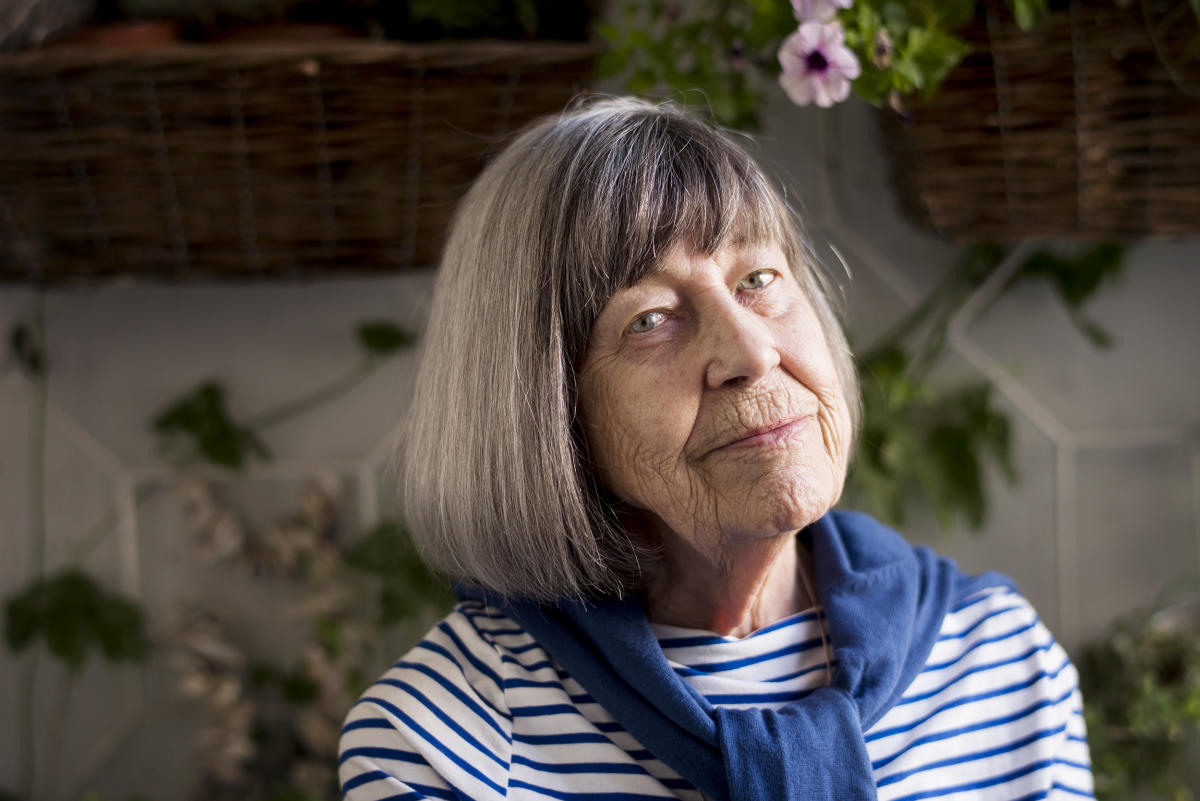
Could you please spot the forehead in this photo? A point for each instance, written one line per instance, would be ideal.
(683, 259)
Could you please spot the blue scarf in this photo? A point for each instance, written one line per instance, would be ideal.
(884, 602)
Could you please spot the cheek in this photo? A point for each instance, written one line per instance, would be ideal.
(636, 428)
(811, 362)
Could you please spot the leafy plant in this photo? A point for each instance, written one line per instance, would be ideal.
(1076, 279)
(201, 420)
(382, 338)
(922, 441)
(94, 795)
(75, 618)
(1141, 681)
(720, 53)
(199, 427)
(386, 551)
(26, 350)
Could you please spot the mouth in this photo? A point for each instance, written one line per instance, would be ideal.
(765, 436)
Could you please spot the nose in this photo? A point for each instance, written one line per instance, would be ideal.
(739, 345)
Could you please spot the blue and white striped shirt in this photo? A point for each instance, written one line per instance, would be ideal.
(478, 710)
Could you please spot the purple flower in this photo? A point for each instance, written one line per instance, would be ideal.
(817, 65)
(820, 10)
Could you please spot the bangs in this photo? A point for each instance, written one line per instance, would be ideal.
(662, 181)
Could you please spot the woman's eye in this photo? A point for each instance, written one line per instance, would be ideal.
(757, 279)
(644, 323)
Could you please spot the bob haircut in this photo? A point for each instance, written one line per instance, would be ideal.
(497, 484)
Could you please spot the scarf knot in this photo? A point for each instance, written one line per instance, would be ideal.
(809, 751)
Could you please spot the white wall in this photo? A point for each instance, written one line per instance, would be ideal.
(1106, 510)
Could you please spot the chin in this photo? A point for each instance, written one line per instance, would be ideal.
(785, 502)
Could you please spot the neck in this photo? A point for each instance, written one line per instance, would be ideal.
(732, 591)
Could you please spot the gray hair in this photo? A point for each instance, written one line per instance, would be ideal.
(497, 485)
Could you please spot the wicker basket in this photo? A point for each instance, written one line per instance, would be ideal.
(215, 161)
(1075, 130)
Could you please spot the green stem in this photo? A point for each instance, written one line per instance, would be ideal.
(37, 536)
(317, 397)
(910, 322)
(1173, 72)
(1172, 17)
(25, 721)
(56, 730)
(969, 270)
(37, 446)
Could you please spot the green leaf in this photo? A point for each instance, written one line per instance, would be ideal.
(356, 682)
(297, 688)
(200, 420)
(27, 350)
(527, 16)
(384, 550)
(956, 13)
(120, 631)
(939, 53)
(608, 32)
(395, 606)
(329, 634)
(1076, 280)
(963, 488)
(74, 617)
(407, 585)
(611, 63)
(458, 15)
(642, 80)
(908, 69)
(384, 338)
(1142, 683)
(895, 13)
(1029, 12)
(262, 675)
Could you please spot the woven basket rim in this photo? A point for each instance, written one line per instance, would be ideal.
(449, 53)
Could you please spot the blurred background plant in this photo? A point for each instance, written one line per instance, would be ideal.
(930, 444)
(723, 54)
(1141, 687)
(25, 23)
(269, 730)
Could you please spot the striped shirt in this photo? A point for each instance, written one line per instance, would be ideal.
(478, 710)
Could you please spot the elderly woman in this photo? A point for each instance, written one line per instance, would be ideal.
(632, 420)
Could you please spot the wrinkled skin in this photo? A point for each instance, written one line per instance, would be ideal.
(683, 373)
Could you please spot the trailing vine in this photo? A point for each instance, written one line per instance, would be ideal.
(69, 616)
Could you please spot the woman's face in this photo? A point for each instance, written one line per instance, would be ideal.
(710, 400)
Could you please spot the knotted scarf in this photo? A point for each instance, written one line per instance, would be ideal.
(884, 602)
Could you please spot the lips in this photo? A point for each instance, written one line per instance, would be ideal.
(764, 436)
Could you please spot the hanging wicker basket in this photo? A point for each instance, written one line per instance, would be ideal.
(1085, 128)
(223, 161)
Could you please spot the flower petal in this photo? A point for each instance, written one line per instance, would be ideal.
(799, 89)
(810, 35)
(839, 88)
(844, 61)
(821, 92)
(803, 9)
